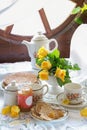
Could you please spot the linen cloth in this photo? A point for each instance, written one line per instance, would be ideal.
(74, 119)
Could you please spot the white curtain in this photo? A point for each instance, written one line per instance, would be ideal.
(78, 53)
(78, 47)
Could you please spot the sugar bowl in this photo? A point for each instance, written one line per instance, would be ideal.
(10, 94)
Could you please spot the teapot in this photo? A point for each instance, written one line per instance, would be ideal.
(38, 41)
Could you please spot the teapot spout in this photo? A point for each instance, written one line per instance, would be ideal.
(25, 43)
(30, 47)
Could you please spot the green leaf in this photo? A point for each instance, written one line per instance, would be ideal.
(67, 80)
(76, 10)
(78, 20)
(76, 67)
(59, 82)
(39, 61)
(55, 53)
(64, 63)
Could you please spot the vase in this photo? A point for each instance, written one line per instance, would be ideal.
(53, 87)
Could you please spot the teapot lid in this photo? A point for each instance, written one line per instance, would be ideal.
(12, 86)
(39, 37)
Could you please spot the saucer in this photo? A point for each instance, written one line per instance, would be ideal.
(60, 98)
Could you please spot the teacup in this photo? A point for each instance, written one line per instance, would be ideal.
(73, 92)
(38, 91)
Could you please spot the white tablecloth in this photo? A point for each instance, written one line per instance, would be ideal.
(74, 119)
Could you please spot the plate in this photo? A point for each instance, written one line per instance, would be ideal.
(61, 119)
(60, 98)
(23, 75)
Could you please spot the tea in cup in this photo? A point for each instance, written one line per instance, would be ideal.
(38, 91)
(73, 92)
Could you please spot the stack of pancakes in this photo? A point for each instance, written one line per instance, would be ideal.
(19, 77)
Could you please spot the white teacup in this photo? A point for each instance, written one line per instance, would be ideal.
(38, 91)
(73, 92)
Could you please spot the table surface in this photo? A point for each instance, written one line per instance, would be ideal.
(73, 122)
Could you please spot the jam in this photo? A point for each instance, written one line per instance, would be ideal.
(25, 99)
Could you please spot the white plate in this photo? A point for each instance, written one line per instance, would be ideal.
(19, 85)
(61, 119)
(60, 98)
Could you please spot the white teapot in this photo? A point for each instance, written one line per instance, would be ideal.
(38, 41)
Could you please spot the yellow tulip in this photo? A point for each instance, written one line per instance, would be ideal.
(60, 73)
(43, 75)
(46, 65)
(42, 52)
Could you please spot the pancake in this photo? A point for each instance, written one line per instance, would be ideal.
(19, 77)
(44, 111)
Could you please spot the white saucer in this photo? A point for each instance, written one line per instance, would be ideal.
(60, 98)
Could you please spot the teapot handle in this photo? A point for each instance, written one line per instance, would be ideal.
(55, 42)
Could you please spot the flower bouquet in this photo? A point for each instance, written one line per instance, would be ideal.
(51, 64)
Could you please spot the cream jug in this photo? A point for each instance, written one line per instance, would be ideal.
(38, 41)
(10, 94)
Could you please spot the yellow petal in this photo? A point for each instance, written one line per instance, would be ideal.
(6, 110)
(66, 101)
(46, 65)
(15, 109)
(14, 114)
(83, 112)
(43, 75)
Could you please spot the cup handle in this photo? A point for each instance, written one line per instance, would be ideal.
(39, 82)
(55, 42)
(45, 86)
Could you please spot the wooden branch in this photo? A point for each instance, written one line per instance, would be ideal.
(9, 29)
(78, 2)
(45, 21)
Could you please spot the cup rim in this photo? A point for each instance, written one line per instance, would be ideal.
(66, 86)
(36, 89)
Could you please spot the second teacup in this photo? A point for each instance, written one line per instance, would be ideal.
(73, 92)
(38, 91)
